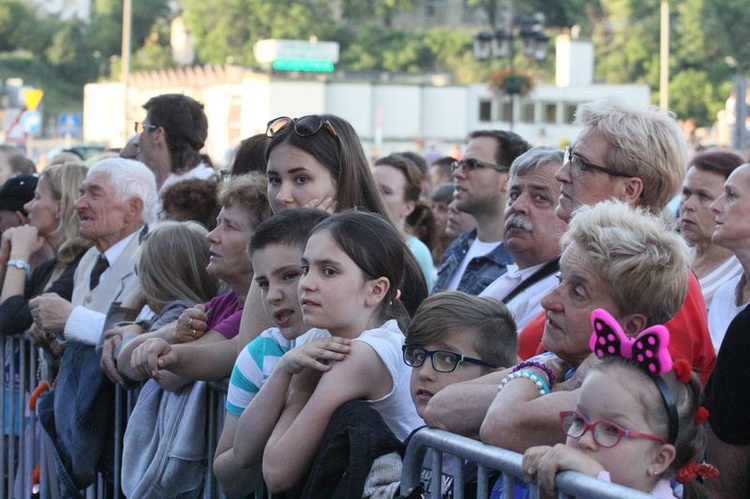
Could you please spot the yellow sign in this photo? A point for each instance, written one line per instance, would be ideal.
(32, 97)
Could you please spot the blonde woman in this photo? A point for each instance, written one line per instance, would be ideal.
(53, 223)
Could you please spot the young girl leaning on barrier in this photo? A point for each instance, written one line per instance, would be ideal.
(638, 420)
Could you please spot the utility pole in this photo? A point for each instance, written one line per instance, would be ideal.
(127, 22)
(664, 57)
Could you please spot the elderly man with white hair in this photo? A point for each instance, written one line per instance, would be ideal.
(117, 202)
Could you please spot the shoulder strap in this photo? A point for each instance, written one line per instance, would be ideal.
(547, 269)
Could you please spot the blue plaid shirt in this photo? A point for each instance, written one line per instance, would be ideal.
(480, 272)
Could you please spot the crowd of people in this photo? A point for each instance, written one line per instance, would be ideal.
(537, 299)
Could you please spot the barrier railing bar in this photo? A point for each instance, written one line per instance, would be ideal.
(118, 440)
(458, 492)
(569, 482)
(12, 415)
(3, 384)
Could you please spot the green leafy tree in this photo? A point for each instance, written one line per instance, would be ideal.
(21, 30)
(229, 28)
(156, 52)
(382, 11)
(727, 25)
(105, 29)
(64, 53)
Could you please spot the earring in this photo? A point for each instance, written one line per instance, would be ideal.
(653, 472)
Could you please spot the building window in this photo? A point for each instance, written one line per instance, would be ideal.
(485, 110)
(527, 111)
(503, 113)
(550, 113)
(430, 9)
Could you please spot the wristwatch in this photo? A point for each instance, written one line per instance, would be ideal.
(19, 264)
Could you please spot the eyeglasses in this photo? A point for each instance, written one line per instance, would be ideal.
(304, 127)
(141, 127)
(471, 164)
(606, 433)
(580, 164)
(442, 360)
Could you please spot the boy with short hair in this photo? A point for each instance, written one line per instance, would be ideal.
(456, 337)
(276, 249)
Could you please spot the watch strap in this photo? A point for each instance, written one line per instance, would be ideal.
(20, 264)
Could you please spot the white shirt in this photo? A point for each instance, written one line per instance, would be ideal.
(477, 248)
(713, 281)
(723, 309)
(85, 325)
(201, 171)
(527, 304)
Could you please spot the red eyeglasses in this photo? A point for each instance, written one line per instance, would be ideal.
(606, 433)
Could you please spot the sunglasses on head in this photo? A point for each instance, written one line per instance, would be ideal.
(304, 127)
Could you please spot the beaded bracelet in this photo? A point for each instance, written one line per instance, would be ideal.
(538, 365)
(540, 383)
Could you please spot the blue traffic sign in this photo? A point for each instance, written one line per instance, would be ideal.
(69, 124)
(32, 122)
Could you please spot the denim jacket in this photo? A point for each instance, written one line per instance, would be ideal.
(480, 272)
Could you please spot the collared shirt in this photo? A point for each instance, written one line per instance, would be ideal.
(114, 252)
(85, 325)
(527, 304)
(480, 272)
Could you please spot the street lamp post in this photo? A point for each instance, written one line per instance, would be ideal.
(739, 133)
(501, 44)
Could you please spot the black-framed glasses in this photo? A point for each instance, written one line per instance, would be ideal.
(580, 164)
(304, 126)
(471, 164)
(140, 126)
(443, 361)
(606, 433)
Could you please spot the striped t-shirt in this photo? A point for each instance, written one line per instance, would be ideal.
(255, 363)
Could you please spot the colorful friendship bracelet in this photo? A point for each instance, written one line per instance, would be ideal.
(540, 383)
(540, 366)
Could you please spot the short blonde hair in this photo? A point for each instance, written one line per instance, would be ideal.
(642, 259)
(644, 142)
(248, 190)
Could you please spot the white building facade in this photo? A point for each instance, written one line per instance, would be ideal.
(388, 115)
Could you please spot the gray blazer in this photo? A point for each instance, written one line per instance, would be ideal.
(119, 280)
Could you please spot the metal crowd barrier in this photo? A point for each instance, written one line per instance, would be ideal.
(487, 457)
(21, 445)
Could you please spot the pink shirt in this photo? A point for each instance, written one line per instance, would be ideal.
(225, 314)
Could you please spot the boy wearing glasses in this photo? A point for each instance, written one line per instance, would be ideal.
(455, 337)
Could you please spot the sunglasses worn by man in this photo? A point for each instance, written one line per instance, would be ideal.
(471, 164)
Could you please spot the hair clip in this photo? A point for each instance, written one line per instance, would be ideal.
(683, 370)
(691, 470)
(648, 349)
(701, 415)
